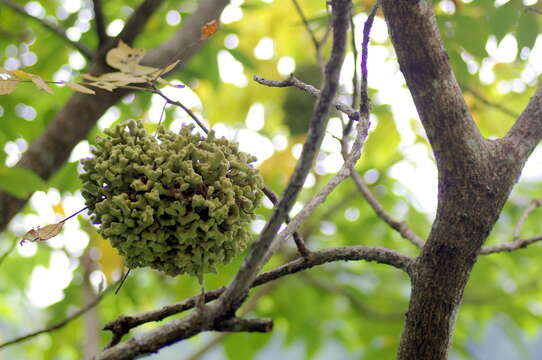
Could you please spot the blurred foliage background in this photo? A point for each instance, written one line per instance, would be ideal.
(341, 310)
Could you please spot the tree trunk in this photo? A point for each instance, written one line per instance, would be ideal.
(471, 196)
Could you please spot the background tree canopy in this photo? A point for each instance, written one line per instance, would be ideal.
(340, 310)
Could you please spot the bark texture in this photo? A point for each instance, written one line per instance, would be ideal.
(475, 177)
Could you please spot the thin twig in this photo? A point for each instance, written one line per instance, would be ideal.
(535, 204)
(349, 161)
(298, 239)
(124, 324)
(78, 212)
(364, 104)
(489, 103)
(354, 299)
(533, 9)
(511, 246)
(401, 227)
(317, 45)
(122, 280)
(8, 251)
(314, 92)
(161, 117)
(347, 128)
(263, 249)
(59, 324)
(99, 20)
(398, 226)
(340, 176)
(182, 106)
(55, 29)
(516, 242)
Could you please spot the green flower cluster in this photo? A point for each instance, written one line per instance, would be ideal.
(178, 203)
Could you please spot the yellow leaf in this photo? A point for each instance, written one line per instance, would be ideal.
(19, 74)
(40, 84)
(124, 58)
(44, 233)
(169, 67)
(104, 85)
(122, 77)
(7, 86)
(79, 88)
(165, 82)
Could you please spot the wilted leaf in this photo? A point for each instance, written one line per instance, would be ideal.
(7, 86)
(79, 88)
(209, 29)
(105, 85)
(169, 67)
(20, 74)
(38, 81)
(126, 59)
(165, 82)
(44, 233)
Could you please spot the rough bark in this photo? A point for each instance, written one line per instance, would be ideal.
(475, 177)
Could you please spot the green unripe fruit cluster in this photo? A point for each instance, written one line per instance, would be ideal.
(178, 203)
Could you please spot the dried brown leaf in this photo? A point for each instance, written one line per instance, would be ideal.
(123, 57)
(109, 86)
(40, 84)
(44, 233)
(79, 88)
(7, 86)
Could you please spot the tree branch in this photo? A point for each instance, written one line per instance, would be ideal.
(315, 42)
(527, 130)
(535, 204)
(139, 17)
(179, 329)
(398, 226)
(516, 242)
(485, 101)
(99, 20)
(59, 324)
(425, 65)
(262, 250)
(73, 122)
(511, 246)
(52, 27)
(311, 90)
(124, 324)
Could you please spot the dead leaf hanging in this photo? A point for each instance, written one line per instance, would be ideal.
(42, 234)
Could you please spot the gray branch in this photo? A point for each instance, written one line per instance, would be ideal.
(124, 324)
(311, 90)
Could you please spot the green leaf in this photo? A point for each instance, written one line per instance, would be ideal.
(528, 30)
(504, 18)
(20, 182)
(465, 27)
(67, 179)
